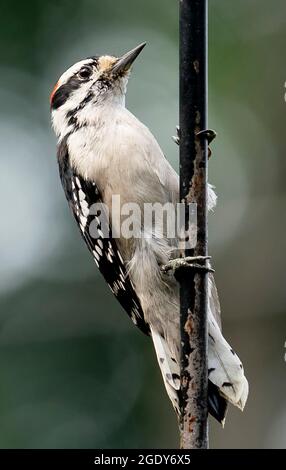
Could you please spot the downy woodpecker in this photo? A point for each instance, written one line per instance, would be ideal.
(103, 150)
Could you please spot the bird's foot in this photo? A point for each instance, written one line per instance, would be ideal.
(176, 138)
(189, 262)
(209, 134)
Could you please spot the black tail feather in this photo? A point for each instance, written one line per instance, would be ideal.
(216, 403)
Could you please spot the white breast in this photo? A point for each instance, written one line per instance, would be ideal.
(119, 151)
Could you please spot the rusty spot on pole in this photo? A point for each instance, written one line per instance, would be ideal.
(192, 420)
(196, 66)
(189, 325)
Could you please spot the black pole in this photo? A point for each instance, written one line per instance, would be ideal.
(193, 184)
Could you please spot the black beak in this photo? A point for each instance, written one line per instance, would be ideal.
(124, 63)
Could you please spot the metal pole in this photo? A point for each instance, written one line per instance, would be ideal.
(193, 188)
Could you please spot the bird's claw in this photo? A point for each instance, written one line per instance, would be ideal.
(188, 262)
(176, 138)
(209, 134)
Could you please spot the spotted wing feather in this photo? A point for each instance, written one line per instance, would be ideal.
(82, 195)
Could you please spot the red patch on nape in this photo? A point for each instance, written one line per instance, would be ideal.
(53, 92)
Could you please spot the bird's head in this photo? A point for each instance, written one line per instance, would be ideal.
(88, 86)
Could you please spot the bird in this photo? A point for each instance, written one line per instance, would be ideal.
(104, 152)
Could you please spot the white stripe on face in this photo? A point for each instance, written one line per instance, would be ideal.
(73, 70)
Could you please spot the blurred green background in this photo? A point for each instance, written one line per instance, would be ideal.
(74, 372)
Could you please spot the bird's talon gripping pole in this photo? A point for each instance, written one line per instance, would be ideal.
(189, 262)
(208, 134)
(176, 138)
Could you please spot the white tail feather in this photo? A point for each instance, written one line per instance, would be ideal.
(225, 367)
(169, 367)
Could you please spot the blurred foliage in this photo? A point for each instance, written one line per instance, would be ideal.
(74, 372)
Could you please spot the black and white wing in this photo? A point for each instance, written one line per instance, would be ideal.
(83, 196)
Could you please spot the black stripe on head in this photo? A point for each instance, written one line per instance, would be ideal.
(94, 59)
(64, 91)
(71, 115)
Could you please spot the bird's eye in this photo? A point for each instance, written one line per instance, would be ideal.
(85, 72)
